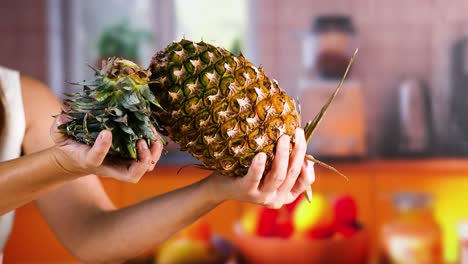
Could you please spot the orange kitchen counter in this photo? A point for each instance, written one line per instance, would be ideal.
(371, 182)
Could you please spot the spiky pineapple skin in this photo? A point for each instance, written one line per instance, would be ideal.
(219, 107)
(118, 100)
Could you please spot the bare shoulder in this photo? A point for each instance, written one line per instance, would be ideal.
(40, 105)
(37, 96)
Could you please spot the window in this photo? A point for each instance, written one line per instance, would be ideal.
(220, 22)
(83, 32)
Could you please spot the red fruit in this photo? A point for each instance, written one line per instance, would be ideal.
(345, 210)
(200, 230)
(267, 221)
(346, 230)
(284, 225)
(284, 229)
(290, 206)
(321, 232)
(204, 231)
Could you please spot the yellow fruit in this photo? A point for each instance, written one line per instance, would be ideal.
(314, 217)
(249, 221)
(186, 251)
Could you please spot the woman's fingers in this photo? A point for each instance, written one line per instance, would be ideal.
(138, 168)
(255, 172)
(283, 183)
(156, 149)
(99, 150)
(305, 179)
(279, 167)
(296, 160)
(58, 137)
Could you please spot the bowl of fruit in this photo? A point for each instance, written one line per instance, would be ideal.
(196, 243)
(323, 231)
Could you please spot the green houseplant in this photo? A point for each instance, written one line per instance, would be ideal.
(123, 41)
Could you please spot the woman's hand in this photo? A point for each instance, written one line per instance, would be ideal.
(79, 159)
(289, 176)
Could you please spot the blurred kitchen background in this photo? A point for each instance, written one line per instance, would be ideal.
(398, 125)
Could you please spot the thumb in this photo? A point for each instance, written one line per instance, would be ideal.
(99, 150)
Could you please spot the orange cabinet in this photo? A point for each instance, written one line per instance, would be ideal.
(163, 180)
(33, 242)
(371, 182)
(446, 180)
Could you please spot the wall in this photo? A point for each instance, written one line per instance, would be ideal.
(23, 27)
(397, 38)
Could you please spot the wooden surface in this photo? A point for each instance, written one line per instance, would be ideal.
(370, 182)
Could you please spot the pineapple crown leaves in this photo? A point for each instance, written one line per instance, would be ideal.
(119, 100)
(123, 75)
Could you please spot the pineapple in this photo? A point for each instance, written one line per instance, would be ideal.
(118, 100)
(219, 107)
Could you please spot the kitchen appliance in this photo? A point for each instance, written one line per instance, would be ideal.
(328, 46)
(415, 118)
(342, 133)
(458, 117)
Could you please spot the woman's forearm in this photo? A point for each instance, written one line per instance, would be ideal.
(119, 234)
(24, 179)
(103, 234)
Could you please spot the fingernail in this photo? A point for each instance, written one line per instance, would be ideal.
(298, 133)
(158, 141)
(145, 146)
(133, 180)
(261, 157)
(310, 163)
(105, 135)
(301, 132)
(311, 178)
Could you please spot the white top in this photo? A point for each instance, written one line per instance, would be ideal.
(12, 136)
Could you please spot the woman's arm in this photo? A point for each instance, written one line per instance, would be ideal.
(24, 179)
(88, 224)
(96, 234)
